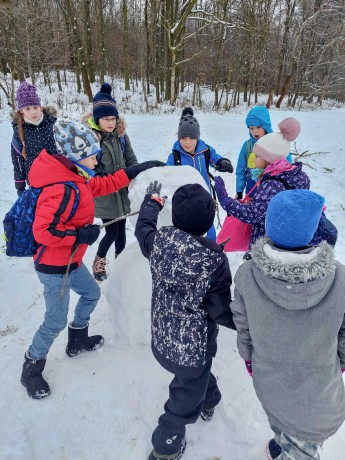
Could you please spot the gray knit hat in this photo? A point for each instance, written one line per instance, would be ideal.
(188, 126)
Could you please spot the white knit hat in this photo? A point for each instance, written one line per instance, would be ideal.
(275, 146)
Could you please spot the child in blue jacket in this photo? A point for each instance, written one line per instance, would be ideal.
(190, 150)
(258, 122)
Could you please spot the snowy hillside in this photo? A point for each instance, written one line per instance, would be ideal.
(104, 405)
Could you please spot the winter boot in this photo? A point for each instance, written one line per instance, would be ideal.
(98, 268)
(207, 413)
(156, 456)
(78, 340)
(32, 379)
(273, 450)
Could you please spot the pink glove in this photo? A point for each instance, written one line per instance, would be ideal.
(342, 370)
(249, 367)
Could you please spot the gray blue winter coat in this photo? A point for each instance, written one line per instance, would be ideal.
(289, 312)
(191, 282)
(255, 212)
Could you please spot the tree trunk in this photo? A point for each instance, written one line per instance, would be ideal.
(88, 39)
(125, 44)
(287, 84)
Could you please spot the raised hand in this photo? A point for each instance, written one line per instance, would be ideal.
(220, 189)
(154, 188)
(224, 165)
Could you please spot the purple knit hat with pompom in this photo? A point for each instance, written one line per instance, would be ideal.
(26, 96)
(275, 146)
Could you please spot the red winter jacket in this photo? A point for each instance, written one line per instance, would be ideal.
(55, 204)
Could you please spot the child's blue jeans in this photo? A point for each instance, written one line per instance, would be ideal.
(55, 320)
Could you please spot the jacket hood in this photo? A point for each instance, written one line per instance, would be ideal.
(48, 110)
(259, 116)
(294, 177)
(52, 168)
(120, 128)
(295, 280)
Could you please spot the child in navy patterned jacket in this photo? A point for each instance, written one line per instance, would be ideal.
(191, 282)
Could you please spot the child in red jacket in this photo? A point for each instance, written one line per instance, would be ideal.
(58, 261)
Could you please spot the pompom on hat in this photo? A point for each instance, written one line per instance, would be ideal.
(275, 146)
(193, 209)
(188, 125)
(103, 104)
(27, 96)
(75, 140)
(292, 217)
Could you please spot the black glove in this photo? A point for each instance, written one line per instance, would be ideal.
(239, 195)
(20, 187)
(224, 165)
(87, 234)
(99, 170)
(133, 170)
(154, 190)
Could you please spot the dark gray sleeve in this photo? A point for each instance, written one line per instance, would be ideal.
(146, 227)
(218, 296)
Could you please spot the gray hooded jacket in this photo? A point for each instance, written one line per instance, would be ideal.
(289, 311)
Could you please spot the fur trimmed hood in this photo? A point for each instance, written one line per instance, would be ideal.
(307, 274)
(120, 128)
(49, 110)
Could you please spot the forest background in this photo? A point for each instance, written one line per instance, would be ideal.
(291, 50)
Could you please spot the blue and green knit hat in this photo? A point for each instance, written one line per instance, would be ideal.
(75, 140)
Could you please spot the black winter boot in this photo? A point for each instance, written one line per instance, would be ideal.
(78, 340)
(207, 414)
(156, 456)
(32, 379)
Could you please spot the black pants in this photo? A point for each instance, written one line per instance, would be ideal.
(186, 396)
(115, 232)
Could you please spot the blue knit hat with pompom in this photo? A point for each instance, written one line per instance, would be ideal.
(103, 104)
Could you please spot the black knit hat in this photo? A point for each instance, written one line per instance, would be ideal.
(192, 209)
(188, 126)
(103, 104)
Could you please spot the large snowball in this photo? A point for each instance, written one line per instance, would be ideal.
(171, 178)
(128, 294)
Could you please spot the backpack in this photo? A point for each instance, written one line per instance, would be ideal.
(122, 141)
(326, 230)
(20, 241)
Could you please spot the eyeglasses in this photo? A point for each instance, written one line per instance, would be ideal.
(111, 120)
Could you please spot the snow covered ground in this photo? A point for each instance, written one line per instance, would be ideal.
(104, 405)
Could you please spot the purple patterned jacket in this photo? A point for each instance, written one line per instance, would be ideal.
(255, 212)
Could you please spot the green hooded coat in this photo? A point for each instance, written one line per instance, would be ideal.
(116, 204)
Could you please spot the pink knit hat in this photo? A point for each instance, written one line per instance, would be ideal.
(275, 146)
(27, 96)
